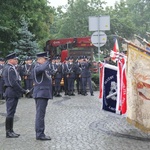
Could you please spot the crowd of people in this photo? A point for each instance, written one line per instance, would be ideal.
(66, 76)
(41, 80)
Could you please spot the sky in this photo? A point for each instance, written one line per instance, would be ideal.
(57, 3)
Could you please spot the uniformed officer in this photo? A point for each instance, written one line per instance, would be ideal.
(86, 75)
(78, 75)
(27, 74)
(2, 63)
(107, 59)
(51, 68)
(18, 67)
(13, 92)
(65, 65)
(58, 74)
(42, 92)
(71, 76)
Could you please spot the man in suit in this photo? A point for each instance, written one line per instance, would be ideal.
(13, 92)
(42, 92)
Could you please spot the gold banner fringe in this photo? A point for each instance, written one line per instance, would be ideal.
(138, 125)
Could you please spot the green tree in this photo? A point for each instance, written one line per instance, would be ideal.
(140, 15)
(74, 21)
(39, 16)
(26, 45)
(121, 23)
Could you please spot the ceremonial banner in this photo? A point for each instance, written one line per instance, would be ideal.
(115, 51)
(122, 85)
(109, 88)
(148, 49)
(101, 80)
(138, 89)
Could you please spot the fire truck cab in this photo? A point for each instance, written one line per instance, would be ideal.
(63, 47)
(71, 47)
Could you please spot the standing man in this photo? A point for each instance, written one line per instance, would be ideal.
(13, 92)
(42, 92)
(78, 75)
(65, 66)
(27, 74)
(71, 76)
(58, 76)
(51, 67)
(2, 63)
(86, 76)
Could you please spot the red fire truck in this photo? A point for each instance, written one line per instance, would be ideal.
(70, 46)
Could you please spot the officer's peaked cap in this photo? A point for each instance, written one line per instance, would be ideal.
(2, 59)
(11, 56)
(84, 57)
(29, 58)
(80, 57)
(71, 57)
(106, 56)
(42, 54)
(67, 58)
(53, 58)
(57, 57)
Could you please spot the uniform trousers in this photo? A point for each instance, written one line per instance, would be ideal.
(65, 84)
(57, 84)
(1, 85)
(28, 84)
(84, 84)
(11, 105)
(78, 84)
(41, 104)
(71, 84)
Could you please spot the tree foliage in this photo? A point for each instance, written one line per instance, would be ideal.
(26, 45)
(37, 13)
(127, 18)
(139, 10)
(74, 22)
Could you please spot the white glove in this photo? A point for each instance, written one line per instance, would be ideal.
(27, 91)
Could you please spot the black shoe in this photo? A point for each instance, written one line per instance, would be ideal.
(10, 134)
(15, 133)
(58, 95)
(69, 94)
(43, 138)
(72, 94)
(54, 94)
(92, 94)
(85, 94)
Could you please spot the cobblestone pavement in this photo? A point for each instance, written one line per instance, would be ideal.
(74, 123)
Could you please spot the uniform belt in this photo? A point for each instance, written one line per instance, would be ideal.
(8, 86)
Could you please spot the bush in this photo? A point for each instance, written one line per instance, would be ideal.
(95, 78)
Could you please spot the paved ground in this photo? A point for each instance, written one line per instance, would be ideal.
(74, 123)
